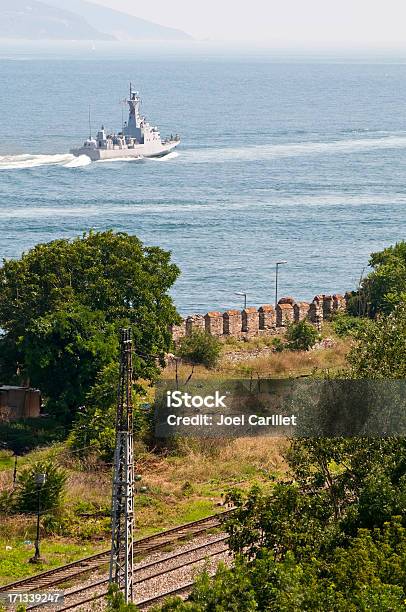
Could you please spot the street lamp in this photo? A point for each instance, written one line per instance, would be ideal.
(278, 263)
(39, 481)
(244, 295)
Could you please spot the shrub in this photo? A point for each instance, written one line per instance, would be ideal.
(200, 348)
(347, 325)
(50, 493)
(277, 345)
(94, 429)
(116, 603)
(301, 336)
(26, 434)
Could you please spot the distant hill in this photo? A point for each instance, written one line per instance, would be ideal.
(35, 20)
(120, 25)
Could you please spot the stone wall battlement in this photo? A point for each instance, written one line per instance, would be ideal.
(262, 321)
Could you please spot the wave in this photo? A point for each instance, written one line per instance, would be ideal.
(271, 151)
(78, 162)
(171, 155)
(285, 205)
(66, 160)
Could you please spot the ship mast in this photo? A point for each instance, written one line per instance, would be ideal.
(90, 125)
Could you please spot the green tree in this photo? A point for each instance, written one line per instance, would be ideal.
(93, 430)
(51, 492)
(62, 303)
(94, 426)
(385, 287)
(380, 352)
(200, 348)
(301, 336)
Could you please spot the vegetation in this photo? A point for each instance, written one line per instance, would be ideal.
(334, 537)
(116, 602)
(301, 336)
(62, 303)
(182, 486)
(345, 325)
(320, 523)
(50, 493)
(200, 348)
(381, 348)
(385, 287)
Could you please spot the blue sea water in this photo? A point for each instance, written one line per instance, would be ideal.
(294, 161)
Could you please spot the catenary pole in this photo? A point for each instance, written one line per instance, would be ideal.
(122, 554)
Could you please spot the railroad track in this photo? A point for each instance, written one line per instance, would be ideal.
(145, 545)
(79, 597)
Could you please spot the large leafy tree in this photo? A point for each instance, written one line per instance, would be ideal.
(334, 537)
(61, 305)
(380, 351)
(385, 287)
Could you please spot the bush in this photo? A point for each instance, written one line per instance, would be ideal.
(301, 336)
(277, 345)
(50, 493)
(94, 429)
(201, 349)
(116, 603)
(26, 434)
(347, 325)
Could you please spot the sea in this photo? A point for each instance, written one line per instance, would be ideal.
(280, 160)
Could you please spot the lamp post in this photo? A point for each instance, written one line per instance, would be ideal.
(278, 263)
(244, 295)
(39, 481)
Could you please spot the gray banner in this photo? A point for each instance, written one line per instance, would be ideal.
(294, 408)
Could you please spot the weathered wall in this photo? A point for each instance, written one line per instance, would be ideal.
(252, 322)
(19, 403)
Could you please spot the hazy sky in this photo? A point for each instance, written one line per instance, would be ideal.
(280, 22)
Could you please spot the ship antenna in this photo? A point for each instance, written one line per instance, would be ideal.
(90, 125)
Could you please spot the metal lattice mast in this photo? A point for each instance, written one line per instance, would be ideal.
(121, 560)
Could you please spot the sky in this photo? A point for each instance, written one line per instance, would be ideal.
(280, 23)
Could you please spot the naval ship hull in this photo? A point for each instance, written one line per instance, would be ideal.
(138, 151)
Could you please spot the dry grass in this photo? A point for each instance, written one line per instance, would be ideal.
(271, 365)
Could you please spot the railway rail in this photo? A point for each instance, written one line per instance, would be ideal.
(146, 572)
(149, 544)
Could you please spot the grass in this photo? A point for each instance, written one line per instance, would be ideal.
(6, 459)
(275, 365)
(17, 535)
(183, 485)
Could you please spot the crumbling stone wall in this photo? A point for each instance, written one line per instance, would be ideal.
(232, 323)
(301, 311)
(284, 314)
(214, 323)
(265, 320)
(250, 321)
(195, 322)
(267, 317)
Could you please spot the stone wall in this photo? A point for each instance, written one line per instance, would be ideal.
(252, 322)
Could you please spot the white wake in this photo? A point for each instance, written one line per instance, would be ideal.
(66, 160)
(271, 151)
(171, 155)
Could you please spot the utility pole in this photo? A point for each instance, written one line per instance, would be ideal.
(278, 263)
(39, 482)
(121, 560)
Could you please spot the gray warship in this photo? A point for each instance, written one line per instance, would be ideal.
(137, 138)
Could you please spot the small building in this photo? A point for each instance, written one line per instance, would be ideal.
(19, 403)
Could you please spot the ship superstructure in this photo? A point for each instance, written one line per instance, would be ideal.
(137, 138)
